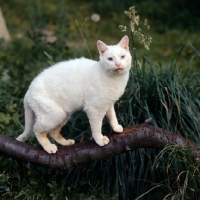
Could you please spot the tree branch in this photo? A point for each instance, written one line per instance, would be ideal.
(132, 138)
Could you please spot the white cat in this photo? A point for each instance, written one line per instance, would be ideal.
(77, 84)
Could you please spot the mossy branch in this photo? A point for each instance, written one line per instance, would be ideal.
(132, 138)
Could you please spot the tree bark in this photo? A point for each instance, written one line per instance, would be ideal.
(132, 138)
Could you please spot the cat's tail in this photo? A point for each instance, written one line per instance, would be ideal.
(29, 121)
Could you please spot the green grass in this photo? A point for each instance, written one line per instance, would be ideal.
(165, 88)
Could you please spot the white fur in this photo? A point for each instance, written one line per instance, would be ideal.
(77, 84)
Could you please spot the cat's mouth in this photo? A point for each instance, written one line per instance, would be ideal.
(119, 69)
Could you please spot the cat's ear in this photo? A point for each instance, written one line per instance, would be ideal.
(102, 47)
(124, 43)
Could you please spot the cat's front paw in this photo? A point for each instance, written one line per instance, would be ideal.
(118, 128)
(51, 148)
(103, 141)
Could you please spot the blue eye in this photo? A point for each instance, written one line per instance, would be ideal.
(110, 59)
(122, 57)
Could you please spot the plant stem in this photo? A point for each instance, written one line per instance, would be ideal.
(84, 40)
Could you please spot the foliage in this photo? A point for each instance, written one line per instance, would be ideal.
(183, 171)
(168, 93)
(165, 15)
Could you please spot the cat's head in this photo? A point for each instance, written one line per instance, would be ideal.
(116, 59)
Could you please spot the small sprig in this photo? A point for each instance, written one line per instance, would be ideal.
(143, 39)
(135, 29)
(123, 28)
(134, 19)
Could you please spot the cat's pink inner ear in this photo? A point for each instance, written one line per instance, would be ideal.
(124, 43)
(102, 47)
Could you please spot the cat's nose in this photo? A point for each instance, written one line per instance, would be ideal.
(118, 64)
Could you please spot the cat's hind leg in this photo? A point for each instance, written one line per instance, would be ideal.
(113, 120)
(55, 134)
(46, 144)
(48, 116)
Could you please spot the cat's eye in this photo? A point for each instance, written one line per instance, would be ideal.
(110, 59)
(122, 57)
